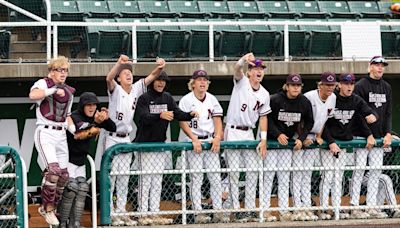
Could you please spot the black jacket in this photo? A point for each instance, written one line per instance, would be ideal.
(378, 95)
(344, 119)
(290, 116)
(79, 149)
(151, 128)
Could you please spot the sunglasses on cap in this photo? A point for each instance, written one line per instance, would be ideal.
(379, 60)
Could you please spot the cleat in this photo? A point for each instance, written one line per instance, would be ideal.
(268, 217)
(396, 214)
(358, 214)
(202, 218)
(145, 220)
(286, 216)
(374, 213)
(221, 218)
(324, 216)
(49, 216)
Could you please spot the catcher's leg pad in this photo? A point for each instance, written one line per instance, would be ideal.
(49, 184)
(61, 183)
(68, 197)
(79, 203)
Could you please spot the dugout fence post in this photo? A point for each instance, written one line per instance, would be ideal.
(20, 186)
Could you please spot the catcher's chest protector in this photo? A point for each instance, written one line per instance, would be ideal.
(54, 107)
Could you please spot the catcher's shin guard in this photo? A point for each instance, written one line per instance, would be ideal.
(68, 197)
(79, 203)
(61, 183)
(49, 184)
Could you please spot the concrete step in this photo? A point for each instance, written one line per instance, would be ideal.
(28, 55)
(28, 46)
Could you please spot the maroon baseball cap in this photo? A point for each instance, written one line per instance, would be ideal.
(378, 59)
(200, 73)
(294, 79)
(328, 78)
(125, 66)
(347, 78)
(257, 63)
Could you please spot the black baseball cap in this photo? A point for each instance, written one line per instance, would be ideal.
(163, 76)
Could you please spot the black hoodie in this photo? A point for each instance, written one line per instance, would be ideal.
(378, 95)
(290, 116)
(151, 128)
(344, 119)
(79, 149)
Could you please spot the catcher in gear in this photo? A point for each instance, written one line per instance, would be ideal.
(83, 125)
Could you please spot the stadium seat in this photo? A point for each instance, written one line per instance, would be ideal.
(126, 9)
(251, 27)
(324, 43)
(95, 9)
(104, 41)
(367, 9)
(384, 7)
(166, 20)
(337, 9)
(216, 9)
(192, 27)
(186, 9)
(245, 9)
(67, 11)
(156, 9)
(276, 9)
(199, 44)
(5, 37)
(337, 27)
(307, 9)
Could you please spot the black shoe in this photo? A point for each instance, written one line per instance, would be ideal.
(246, 217)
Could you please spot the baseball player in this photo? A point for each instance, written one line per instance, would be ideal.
(378, 95)
(54, 100)
(385, 192)
(155, 109)
(87, 121)
(123, 96)
(323, 103)
(208, 127)
(290, 110)
(249, 102)
(339, 127)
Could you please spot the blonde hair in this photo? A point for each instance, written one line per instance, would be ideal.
(191, 82)
(58, 62)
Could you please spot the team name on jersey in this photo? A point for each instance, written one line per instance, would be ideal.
(255, 108)
(289, 117)
(344, 116)
(158, 108)
(134, 104)
(377, 99)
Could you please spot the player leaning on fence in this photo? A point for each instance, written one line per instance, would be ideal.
(339, 127)
(206, 128)
(291, 119)
(323, 103)
(155, 109)
(123, 95)
(378, 95)
(54, 101)
(249, 103)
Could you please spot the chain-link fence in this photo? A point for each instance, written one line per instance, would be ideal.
(164, 184)
(13, 207)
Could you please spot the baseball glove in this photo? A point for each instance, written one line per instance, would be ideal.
(88, 133)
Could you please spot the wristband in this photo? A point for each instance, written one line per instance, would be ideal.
(50, 91)
(241, 62)
(71, 128)
(263, 135)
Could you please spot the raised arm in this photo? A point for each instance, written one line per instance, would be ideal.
(238, 70)
(156, 72)
(111, 83)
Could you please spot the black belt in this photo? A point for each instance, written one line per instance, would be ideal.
(202, 137)
(58, 128)
(121, 135)
(243, 128)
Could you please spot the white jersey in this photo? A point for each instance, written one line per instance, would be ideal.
(40, 119)
(121, 107)
(247, 105)
(321, 110)
(207, 109)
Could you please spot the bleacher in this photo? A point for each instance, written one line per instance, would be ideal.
(229, 41)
